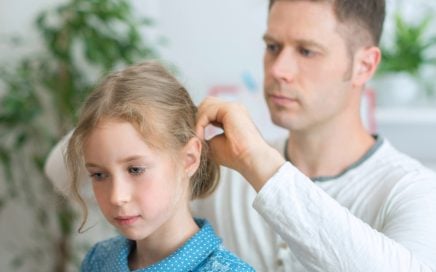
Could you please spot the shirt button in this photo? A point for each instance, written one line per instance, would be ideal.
(279, 262)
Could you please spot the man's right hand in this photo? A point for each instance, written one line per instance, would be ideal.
(241, 146)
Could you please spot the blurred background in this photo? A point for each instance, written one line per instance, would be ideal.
(53, 52)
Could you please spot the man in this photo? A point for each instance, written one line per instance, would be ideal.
(344, 200)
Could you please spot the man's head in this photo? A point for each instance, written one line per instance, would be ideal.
(318, 57)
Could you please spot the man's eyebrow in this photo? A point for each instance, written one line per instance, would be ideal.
(304, 42)
(268, 37)
(311, 43)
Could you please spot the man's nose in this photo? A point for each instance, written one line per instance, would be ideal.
(284, 67)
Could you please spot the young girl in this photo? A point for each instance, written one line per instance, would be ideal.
(136, 138)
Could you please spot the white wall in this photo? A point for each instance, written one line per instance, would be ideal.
(16, 19)
(213, 41)
(218, 44)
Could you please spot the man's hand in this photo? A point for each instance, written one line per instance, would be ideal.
(241, 146)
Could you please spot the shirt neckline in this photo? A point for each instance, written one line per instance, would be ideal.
(376, 146)
(186, 258)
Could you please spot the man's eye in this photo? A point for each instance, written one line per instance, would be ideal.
(272, 48)
(136, 170)
(307, 52)
(98, 176)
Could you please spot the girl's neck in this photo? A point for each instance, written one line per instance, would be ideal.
(167, 239)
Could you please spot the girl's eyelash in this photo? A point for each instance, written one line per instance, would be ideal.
(97, 176)
(133, 170)
(136, 170)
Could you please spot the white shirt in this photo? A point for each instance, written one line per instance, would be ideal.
(379, 215)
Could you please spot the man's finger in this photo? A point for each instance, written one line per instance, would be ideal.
(216, 144)
(206, 115)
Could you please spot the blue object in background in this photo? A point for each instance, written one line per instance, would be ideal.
(249, 82)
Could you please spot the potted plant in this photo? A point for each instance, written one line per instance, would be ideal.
(39, 98)
(400, 78)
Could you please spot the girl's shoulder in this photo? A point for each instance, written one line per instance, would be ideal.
(102, 252)
(110, 246)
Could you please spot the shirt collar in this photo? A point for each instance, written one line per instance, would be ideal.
(376, 146)
(186, 258)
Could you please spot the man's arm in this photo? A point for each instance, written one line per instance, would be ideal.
(324, 235)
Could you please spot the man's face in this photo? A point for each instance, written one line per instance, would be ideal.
(306, 65)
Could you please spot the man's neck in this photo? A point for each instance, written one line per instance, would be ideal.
(327, 153)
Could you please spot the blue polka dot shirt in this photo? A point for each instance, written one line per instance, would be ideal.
(202, 252)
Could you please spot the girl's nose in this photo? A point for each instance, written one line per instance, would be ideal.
(120, 193)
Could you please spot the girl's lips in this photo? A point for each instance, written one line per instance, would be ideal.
(126, 220)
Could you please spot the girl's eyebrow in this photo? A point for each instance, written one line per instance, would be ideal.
(131, 158)
(124, 160)
(91, 164)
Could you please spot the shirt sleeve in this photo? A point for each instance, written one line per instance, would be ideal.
(55, 169)
(325, 236)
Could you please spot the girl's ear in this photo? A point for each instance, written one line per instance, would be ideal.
(191, 156)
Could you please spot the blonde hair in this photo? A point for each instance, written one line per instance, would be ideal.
(157, 105)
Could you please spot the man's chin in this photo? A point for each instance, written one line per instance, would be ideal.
(287, 122)
(281, 123)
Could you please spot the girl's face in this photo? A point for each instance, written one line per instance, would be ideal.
(140, 190)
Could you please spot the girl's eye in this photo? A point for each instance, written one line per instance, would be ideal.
(136, 171)
(98, 176)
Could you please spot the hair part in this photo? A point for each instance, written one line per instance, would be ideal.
(158, 106)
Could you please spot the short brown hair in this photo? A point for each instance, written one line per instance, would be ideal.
(157, 105)
(368, 15)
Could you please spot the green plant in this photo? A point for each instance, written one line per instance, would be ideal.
(411, 47)
(39, 99)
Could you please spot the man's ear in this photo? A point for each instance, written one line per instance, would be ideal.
(366, 62)
(191, 156)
